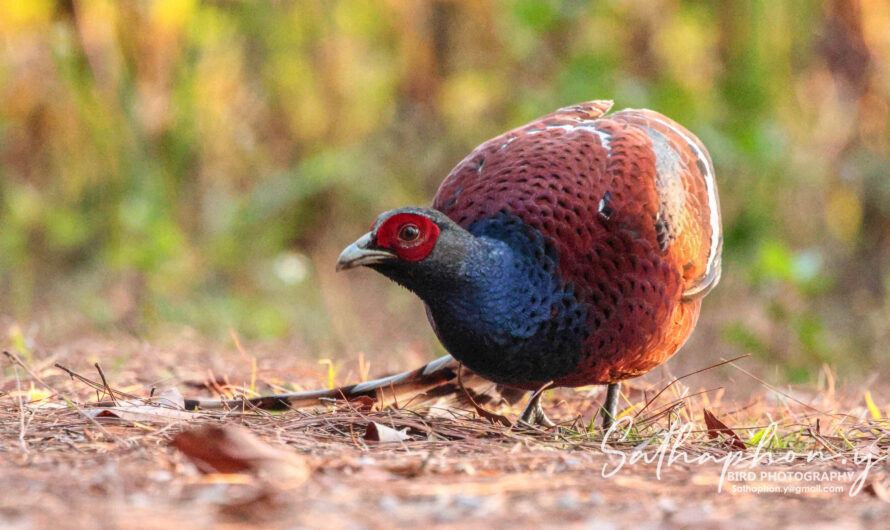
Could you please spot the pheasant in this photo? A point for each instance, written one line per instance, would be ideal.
(574, 250)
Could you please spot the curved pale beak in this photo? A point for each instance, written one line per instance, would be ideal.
(358, 254)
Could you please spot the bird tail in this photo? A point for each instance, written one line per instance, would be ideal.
(436, 379)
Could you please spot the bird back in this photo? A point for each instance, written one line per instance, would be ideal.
(629, 202)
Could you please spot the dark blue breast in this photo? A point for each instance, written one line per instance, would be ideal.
(515, 320)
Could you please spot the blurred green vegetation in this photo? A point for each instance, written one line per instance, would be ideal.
(202, 162)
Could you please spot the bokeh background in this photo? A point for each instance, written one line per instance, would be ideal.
(200, 164)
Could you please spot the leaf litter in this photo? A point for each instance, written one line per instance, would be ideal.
(139, 460)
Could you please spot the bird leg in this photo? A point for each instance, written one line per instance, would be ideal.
(534, 413)
(610, 407)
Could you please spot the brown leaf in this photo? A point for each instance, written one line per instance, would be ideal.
(716, 426)
(381, 433)
(363, 403)
(878, 489)
(482, 412)
(232, 449)
(494, 418)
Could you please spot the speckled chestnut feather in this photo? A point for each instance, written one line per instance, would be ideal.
(629, 203)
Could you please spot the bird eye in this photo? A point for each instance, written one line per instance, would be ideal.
(409, 233)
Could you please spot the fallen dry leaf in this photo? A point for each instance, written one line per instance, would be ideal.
(234, 449)
(169, 405)
(170, 397)
(878, 489)
(381, 433)
(716, 426)
(138, 412)
(363, 403)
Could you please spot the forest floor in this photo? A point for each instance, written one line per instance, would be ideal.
(67, 463)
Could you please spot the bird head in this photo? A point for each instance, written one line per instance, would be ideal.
(410, 245)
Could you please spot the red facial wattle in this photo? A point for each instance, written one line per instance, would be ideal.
(411, 236)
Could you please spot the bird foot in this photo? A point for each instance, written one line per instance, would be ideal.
(534, 414)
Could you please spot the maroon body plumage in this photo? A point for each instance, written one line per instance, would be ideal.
(630, 203)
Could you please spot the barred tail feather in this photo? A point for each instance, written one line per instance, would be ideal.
(436, 379)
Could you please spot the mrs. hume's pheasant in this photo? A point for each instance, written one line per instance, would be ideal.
(572, 251)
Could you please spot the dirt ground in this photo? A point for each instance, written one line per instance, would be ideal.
(66, 464)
